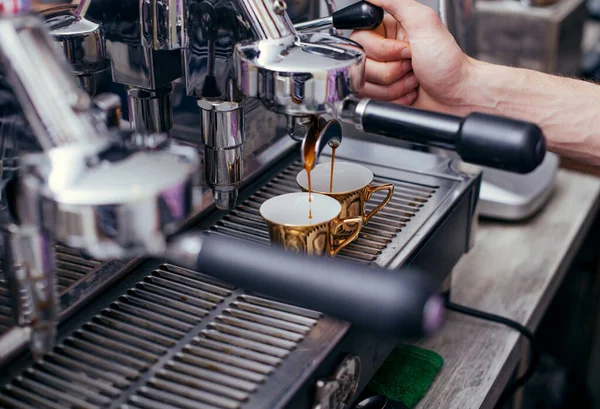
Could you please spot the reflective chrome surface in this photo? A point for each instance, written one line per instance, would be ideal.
(215, 27)
(133, 61)
(107, 108)
(223, 132)
(60, 115)
(82, 43)
(83, 161)
(304, 77)
(299, 126)
(268, 18)
(315, 25)
(339, 390)
(85, 189)
(163, 24)
(150, 111)
(13, 341)
(124, 205)
(145, 40)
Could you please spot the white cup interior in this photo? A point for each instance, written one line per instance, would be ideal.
(346, 177)
(293, 209)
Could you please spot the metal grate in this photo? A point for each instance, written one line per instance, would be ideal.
(97, 363)
(6, 318)
(179, 339)
(222, 364)
(245, 221)
(230, 359)
(71, 267)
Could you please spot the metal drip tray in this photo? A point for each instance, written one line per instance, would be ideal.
(176, 339)
(171, 338)
(71, 267)
(382, 231)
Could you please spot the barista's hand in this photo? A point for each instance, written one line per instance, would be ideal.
(413, 59)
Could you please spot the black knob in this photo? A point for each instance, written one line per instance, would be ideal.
(358, 16)
(501, 143)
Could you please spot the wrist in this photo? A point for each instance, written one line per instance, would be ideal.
(480, 87)
(472, 94)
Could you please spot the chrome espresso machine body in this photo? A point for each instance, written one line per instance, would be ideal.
(208, 322)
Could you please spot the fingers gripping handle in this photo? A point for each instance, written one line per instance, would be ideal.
(403, 304)
(481, 139)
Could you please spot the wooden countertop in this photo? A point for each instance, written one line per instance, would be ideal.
(513, 270)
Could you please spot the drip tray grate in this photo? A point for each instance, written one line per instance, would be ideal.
(245, 221)
(71, 266)
(217, 365)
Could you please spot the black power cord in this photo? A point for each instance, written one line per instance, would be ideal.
(533, 344)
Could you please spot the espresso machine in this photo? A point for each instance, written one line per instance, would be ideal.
(137, 271)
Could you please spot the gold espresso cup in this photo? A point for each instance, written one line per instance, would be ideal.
(351, 188)
(311, 228)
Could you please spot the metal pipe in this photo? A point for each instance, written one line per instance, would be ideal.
(12, 342)
(314, 25)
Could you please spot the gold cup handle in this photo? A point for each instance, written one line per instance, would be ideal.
(337, 225)
(372, 189)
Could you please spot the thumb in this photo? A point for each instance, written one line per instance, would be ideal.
(413, 15)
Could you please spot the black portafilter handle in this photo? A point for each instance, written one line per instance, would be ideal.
(402, 304)
(481, 139)
(358, 16)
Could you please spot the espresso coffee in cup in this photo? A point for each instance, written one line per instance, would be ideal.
(321, 233)
(351, 186)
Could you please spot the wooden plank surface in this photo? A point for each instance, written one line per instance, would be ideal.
(514, 270)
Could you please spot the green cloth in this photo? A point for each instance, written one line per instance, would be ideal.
(406, 375)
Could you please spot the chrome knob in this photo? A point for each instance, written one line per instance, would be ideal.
(81, 42)
(279, 6)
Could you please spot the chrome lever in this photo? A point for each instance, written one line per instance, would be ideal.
(314, 25)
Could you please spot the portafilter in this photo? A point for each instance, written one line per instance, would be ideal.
(308, 74)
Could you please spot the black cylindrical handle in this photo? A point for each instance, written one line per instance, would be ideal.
(402, 304)
(358, 16)
(481, 139)
(501, 143)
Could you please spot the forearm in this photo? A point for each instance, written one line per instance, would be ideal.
(567, 110)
